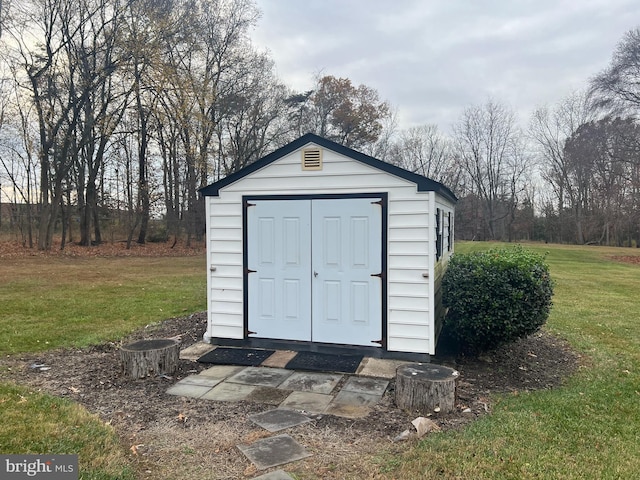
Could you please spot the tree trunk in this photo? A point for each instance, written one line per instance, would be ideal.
(150, 357)
(423, 388)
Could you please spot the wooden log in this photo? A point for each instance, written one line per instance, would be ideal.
(150, 357)
(425, 388)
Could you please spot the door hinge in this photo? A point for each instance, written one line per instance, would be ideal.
(249, 332)
(248, 271)
(379, 275)
(379, 202)
(379, 342)
(247, 204)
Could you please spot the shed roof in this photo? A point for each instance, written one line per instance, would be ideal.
(423, 184)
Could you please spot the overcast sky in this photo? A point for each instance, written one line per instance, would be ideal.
(432, 58)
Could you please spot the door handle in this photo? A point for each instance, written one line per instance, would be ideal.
(315, 274)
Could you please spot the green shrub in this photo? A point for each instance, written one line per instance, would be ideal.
(495, 297)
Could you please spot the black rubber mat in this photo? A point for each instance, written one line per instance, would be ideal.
(249, 357)
(323, 362)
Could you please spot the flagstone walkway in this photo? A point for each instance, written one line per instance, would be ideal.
(297, 397)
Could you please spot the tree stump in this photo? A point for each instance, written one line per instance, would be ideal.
(425, 387)
(147, 357)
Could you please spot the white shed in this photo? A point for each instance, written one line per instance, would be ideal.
(317, 245)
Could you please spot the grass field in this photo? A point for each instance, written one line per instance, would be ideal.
(587, 429)
(51, 302)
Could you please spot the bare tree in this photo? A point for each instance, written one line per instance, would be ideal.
(490, 149)
(253, 114)
(617, 87)
(603, 159)
(17, 161)
(148, 23)
(550, 129)
(42, 40)
(98, 55)
(203, 70)
(424, 150)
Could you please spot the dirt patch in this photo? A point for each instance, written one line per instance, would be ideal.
(633, 259)
(173, 437)
(14, 249)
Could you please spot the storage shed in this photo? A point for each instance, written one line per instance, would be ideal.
(317, 246)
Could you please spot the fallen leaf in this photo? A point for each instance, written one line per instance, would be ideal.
(250, 470)
(424, 426)
(134, 448)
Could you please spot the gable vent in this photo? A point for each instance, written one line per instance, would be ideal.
(312, 159)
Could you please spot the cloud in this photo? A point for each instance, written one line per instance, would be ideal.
(431, 59)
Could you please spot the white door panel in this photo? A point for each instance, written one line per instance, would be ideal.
(278, 252)
(347, 243)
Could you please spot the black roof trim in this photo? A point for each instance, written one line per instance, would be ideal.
(423, 184)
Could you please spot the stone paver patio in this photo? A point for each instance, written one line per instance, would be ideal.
(297, 396)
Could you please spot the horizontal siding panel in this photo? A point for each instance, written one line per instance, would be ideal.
(226, 233)
(401, 317)
(227, 319)
(405, 330)
(232, 283)
(225, 308)
(225, 208)
(225, 246)
(218, 259)
(408, 289)
(227, 331)
(416, 206)
(411, 303)
(414, 345)
(407, 276)
(407, 221)
(223, 320)
(228, 221)
(226, 271)
(408, 262)
(226, 295)
(409, 248)
(409, 234)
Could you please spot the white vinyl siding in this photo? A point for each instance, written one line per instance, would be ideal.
(224, 279)
(410, 242)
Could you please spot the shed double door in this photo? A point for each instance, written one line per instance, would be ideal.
(314, 270)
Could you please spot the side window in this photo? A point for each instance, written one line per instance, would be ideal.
(450, 232)
(438, 234)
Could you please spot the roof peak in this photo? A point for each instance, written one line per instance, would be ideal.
(422, 183)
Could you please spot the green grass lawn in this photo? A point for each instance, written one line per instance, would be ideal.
(55, 302)
(589, 428)
(51, 302)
